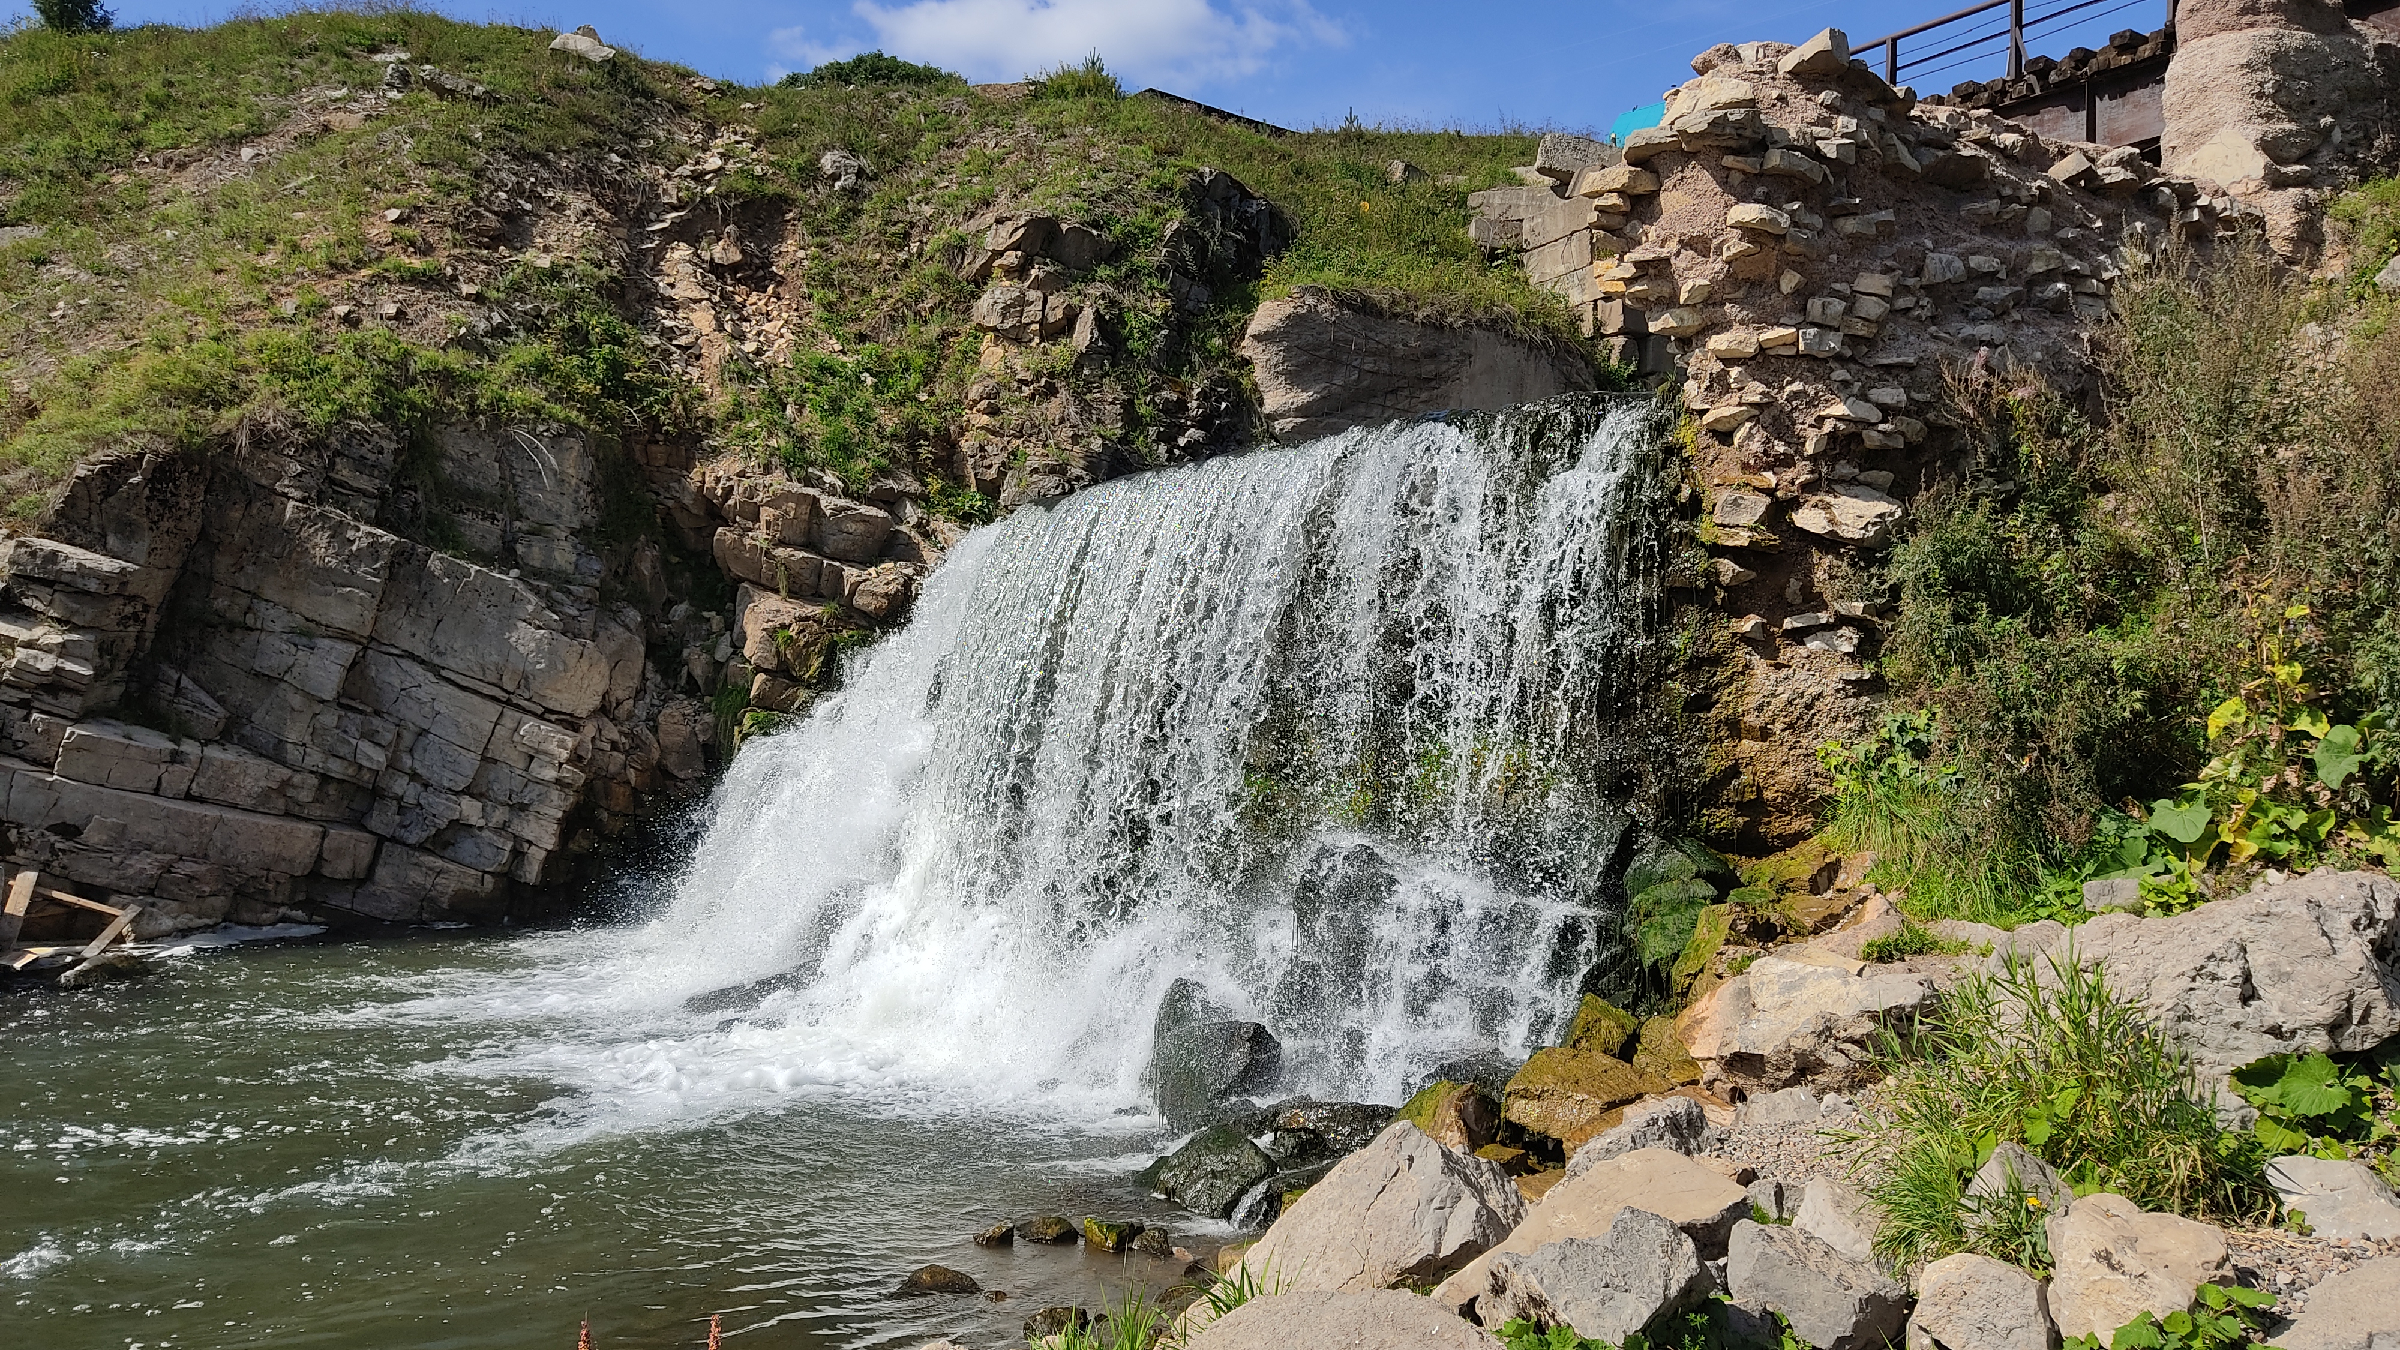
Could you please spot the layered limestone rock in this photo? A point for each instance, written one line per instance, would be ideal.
(1324, 366)
(245, 684)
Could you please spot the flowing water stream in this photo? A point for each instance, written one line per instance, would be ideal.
(1321, 729)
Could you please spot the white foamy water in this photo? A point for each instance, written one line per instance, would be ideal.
(1312, 727)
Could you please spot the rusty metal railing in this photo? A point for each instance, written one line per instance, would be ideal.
(2015, 31)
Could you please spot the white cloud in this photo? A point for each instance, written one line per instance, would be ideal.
(1184, 42)
(794, 50)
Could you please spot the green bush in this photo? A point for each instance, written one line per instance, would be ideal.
(1090, 79)
(74, 16)
(1911, 940)
(869, 68)
(2053, 1060)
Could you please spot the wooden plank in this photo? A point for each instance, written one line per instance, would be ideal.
(116, 926)
(65, 899)
(20, 899)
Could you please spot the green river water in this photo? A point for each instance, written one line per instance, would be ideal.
(396, 1143)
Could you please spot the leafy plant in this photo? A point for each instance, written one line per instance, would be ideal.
(2222, 1317)
(2055, 1061)
(2312, 1104)
(1133, 1322)
(1231, 1289)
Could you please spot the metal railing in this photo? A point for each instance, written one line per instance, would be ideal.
(1967, 46)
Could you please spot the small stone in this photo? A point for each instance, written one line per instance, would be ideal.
(1754, 216)
(1730, 417)
(1400, 171)
(1110, 1235)
(1970, 1302)
(1751, 626)
(1739, 508)
(2339, 1198)
(1002, 1234)
(1735, 344)
(1731, 573)
(1049, 1229)
(1942, 268)
(1880, 284)
(939, 1280)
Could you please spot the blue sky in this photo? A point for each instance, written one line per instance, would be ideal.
(1299, 63)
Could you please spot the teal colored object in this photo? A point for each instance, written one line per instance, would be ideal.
(1629, 123)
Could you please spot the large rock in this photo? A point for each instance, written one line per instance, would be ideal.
(1970, 1302)
(1403, 1209)
(2310, 965)
(1459, 1115)
(1383, 1319)
(1850, 512)
(1203, 1058)
(2341, 1199)
(1572, 1095)
(1210, 1174)
(1831, 1301)
(1324, 367)
(1676, 1124)
(1839, 1215)
(2358, 1309)
(1786, 1021)
(1607, 1287)
(1701, 1201)
(2114, 1262)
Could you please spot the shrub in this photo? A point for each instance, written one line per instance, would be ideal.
(2051, 1059)
(1088, 80)
(74, 16)
(1911, 940)
(869, 68)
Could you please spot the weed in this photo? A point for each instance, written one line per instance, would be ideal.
(1133, 1322)
(1911, 940)
(2053, 1060)
(2329, 1108)
(2222, 1317)
(1088, 79)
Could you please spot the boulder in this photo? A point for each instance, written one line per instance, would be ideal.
(1001, 1234)
(1661, 1052)
(1602, 1026)
(1458, 1115)
(1831, 1301)
(1312, 1131)
(1703, 1202)
(1839, 1215)
(2341, 1199)
(1110, 1235)
(1785, 1021)
(1202, 1064)
(2114, 1262)
(1381, 1319)
(939, 1280)
(2312, 964)
(1210, 1174)
(1054, 1320)
(1323, 366)
(2358, 1309)
(1607, 1288)
(2014, 1174)
(1403, 1209)
(1049, 1229)
(1676, 1124)
(1572, 1095)
(583, 42)
(1970, 1302)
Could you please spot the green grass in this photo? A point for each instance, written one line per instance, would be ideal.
(1911, 940)
(2043, 1055)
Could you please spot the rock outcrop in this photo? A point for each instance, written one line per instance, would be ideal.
(309, 677)
(1325, 366)
(2312, 964)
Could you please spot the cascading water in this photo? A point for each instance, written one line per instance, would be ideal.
(1314, 728)
(1326, 730)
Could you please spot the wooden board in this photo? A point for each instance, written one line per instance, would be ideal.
(20, 899)
(78, 901)
(116, 926)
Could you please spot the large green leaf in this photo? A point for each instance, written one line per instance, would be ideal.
(2314, 1086)
(2278, 1137)
(2338, 756)
(2182, 822)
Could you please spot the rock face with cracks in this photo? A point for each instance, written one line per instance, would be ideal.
(1402, 1210)
(1607, 1287)
(2114, 1261)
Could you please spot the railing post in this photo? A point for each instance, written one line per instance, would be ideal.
(2016, 38)
(1891, 61)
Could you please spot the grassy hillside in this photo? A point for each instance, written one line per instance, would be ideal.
(207, 230)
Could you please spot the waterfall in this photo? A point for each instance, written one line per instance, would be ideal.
(1317, 728)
